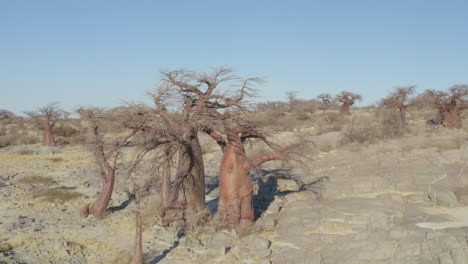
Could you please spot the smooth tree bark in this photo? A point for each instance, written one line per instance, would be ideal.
(235, 182)
(48, 138)
(99, 206)
(138, 252)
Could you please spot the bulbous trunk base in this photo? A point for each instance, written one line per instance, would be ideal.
(98, 207)
(451, 119)
(48, 138)
(344, 109)
(237, 212)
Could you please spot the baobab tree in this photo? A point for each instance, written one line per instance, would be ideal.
(325, 101)
(46, 119)
(177, 129)
(347, 99)
(450, 104)
(106, 156)
(235, 182)
(399, 99)
(292, 99)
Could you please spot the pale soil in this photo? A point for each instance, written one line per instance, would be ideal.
(389, 202)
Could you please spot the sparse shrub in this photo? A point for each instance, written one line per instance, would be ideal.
(330, 122)
(301, 116)
(77, 140)
(25, 152)
(7, 140)
(361, 129)
(67, 131)
(391, 124)
(27, 140)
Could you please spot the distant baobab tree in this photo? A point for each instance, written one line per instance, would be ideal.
(46, 118)
(325, 101)
(347, 99)
(292, 99)
(450, 104)
(399, 99)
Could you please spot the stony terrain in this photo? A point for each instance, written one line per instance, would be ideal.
(393, 201)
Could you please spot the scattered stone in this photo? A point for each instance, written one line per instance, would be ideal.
(287, 185)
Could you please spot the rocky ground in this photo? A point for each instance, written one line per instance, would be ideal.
(394, 201)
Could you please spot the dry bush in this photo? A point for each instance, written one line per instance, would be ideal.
(390, 124)
(25, 151)
(77, 139)
(447, 143)
(7, 140)
(27, 140)
(329, 122)
(368, 128)
(66, 131)
(361, 129)
(301, 116)
(267, 118)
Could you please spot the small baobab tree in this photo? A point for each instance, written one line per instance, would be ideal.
(325, 101)
(450, 104)
(399, 99)
(235, 182)
(347, 99)
(46, 119)
(292, 99)
(106, 156)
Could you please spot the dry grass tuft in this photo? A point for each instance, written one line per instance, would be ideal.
(37, 180)
(53, 195)
(25, 152)
(56, 160)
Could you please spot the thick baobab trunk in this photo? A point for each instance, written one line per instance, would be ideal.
(402, 111)
(188, 192)
(235, 183)
(235, 186)
(191, 175)
(344, 109)
(138, 253)
(451, 119)
(166, 186)
(98, 207)
(48, 137)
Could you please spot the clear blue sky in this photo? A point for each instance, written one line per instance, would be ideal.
(104, 52)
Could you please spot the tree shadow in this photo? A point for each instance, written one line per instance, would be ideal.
(123, 205)
(164, 254)
(214, 183)
(268, 187)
